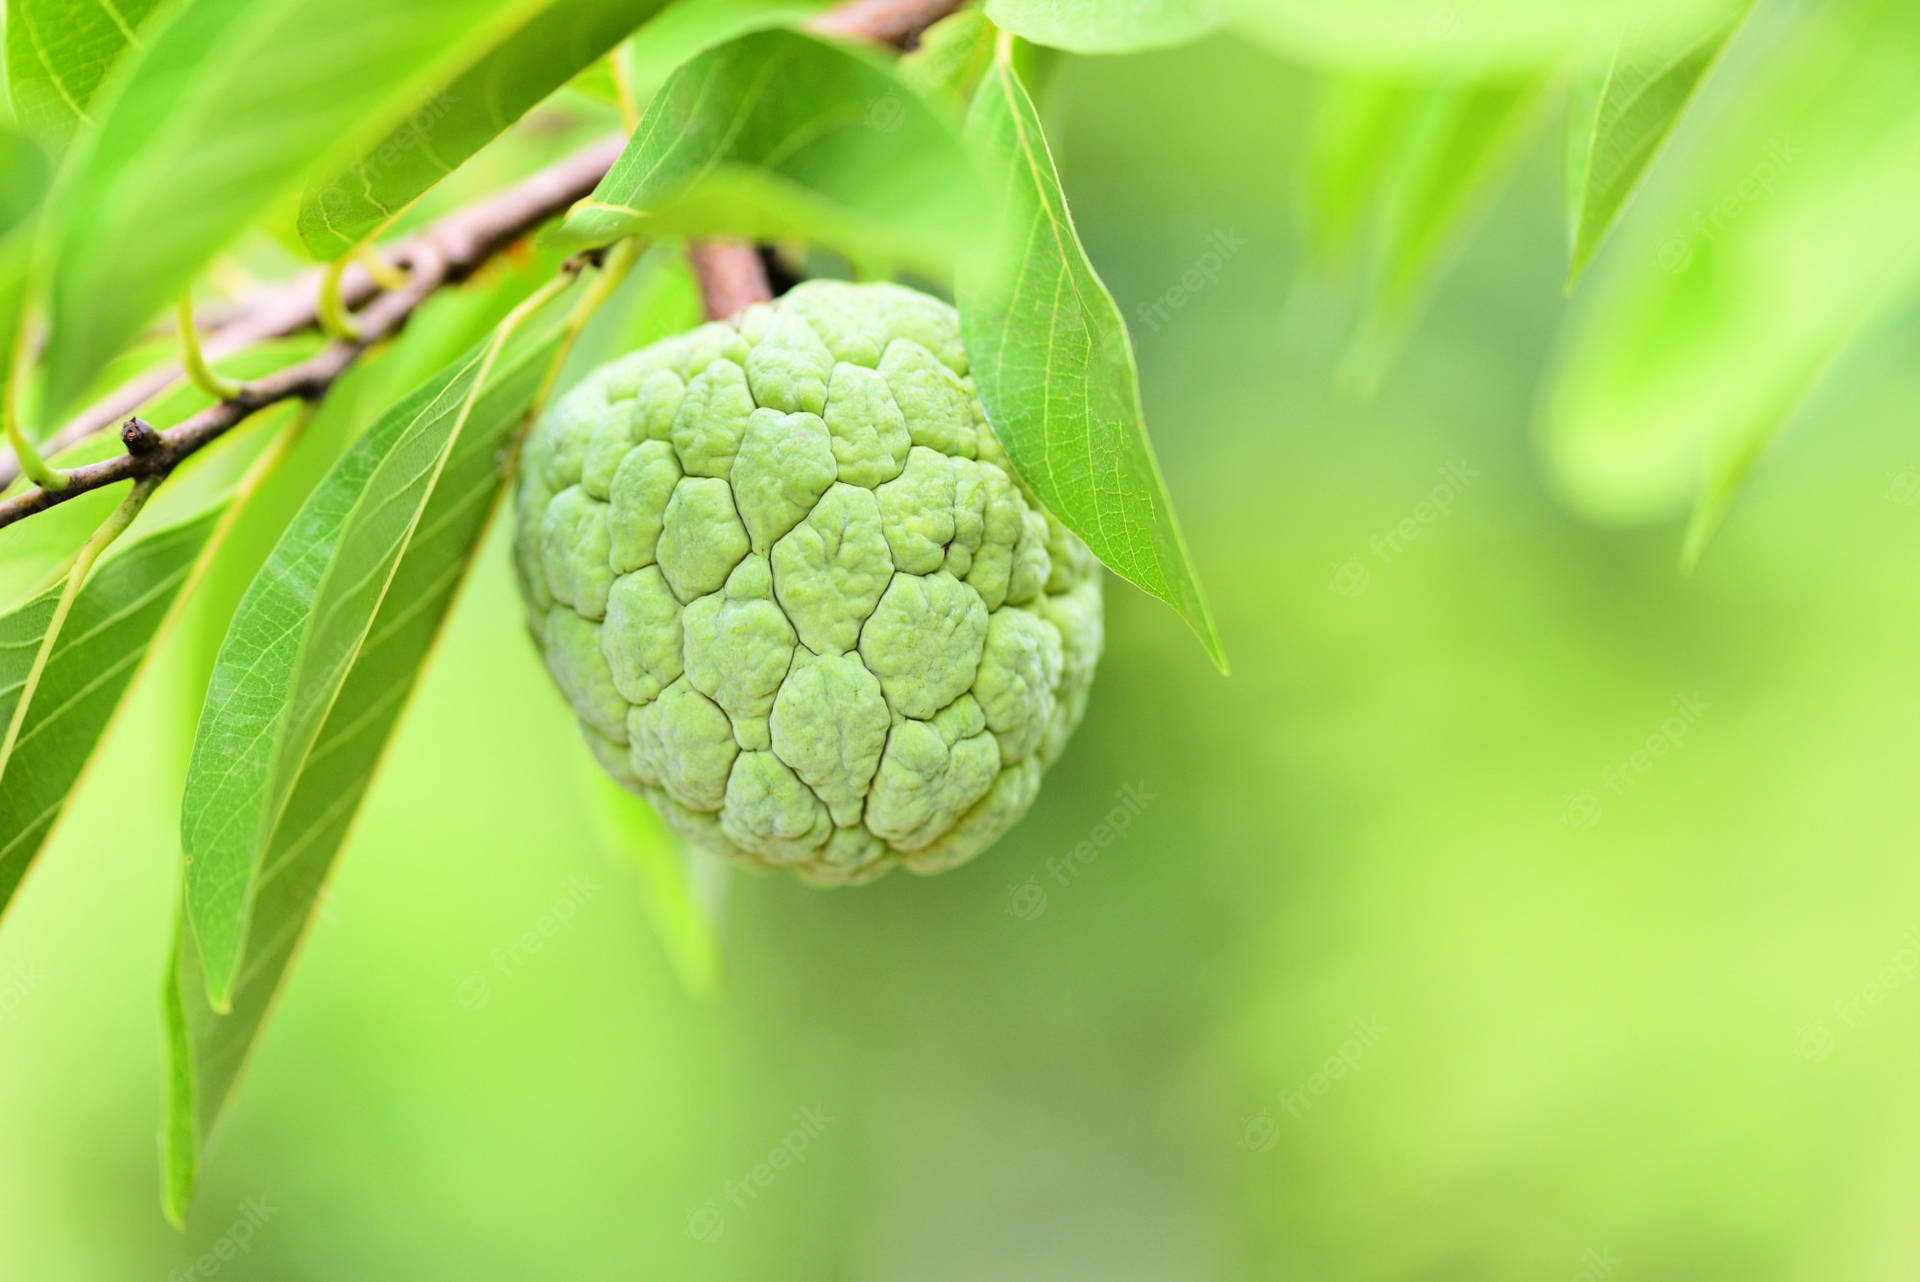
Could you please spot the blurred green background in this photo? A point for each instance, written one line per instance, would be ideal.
(1520, 908)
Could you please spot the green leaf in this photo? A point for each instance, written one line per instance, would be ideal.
(121, 608)
(631, 830)
(688, 28)
(231, 102)
(1054, 367)
(1461, 144)
(778, 133)
(952, 56)
(27, 173)
(1356, 123)
(35, 550)
(1108, 26)
(309, 616)
(1797, 224)
(456, 121)
(362, 582)
(129, 599)
(1478, 37)
(58, 54)
(1626, 116)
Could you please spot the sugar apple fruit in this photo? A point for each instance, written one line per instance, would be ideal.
(780, 568)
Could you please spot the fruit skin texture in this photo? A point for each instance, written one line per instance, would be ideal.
(782, 572)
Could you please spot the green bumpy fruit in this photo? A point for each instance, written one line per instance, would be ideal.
(782, 571)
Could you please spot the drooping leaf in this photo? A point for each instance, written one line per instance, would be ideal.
(119, 611)
(293, 645)
(456, 121)
(124, 605)
(779, 133)
(1108, 26)
(1461, 144)
(1625, 113)
(439, 333)
(229, 104)
(632, 832)
(1054, 366)
(1357, 123)
(348, 700)
(59, 52)
(1798, 223)
(1477, 37)
(34, 553)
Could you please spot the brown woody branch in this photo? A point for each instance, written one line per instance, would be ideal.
(448, 253)
(730, 273)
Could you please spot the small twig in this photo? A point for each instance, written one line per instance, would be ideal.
(158, 453)
(446, 255)
(731, 277)
(471, 237)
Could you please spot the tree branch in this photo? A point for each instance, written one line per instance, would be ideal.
(446, 254)
(731, 277)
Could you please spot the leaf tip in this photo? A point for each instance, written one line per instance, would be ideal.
(1216, 652)
(1574, 271)
(1700, 531)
